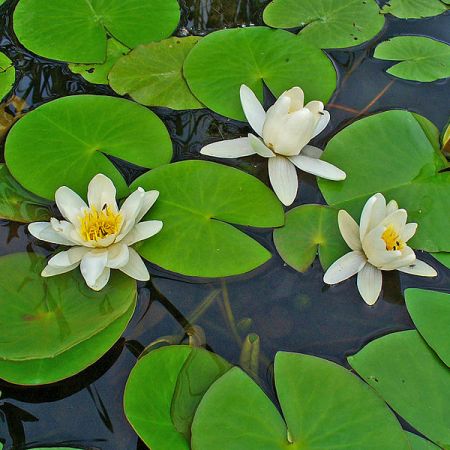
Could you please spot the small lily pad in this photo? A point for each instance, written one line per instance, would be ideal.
(7, 75)
(418, 443)
(76, 30)
(36, 372)
(315, 395)
(152, 74)
(73, 135)
(414, 9)
(43, 317)
(430, 312)
(98, 73)
(422, 58)
(443, 258)
(221, 62)
(403, 164)
(19, 205)
(310, 229)
(412, 379)
(197, 238)
(327, 23)
(161, 411)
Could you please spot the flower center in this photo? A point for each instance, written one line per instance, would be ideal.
(96, 225)
(392, 239)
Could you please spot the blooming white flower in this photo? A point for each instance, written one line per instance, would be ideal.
(100, 235)
(284, 132)
(378, 243)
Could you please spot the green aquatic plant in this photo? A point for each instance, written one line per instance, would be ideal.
(7, 75)
(414, 9)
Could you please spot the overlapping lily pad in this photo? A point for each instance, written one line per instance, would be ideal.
(443, 258)
(73, 135)
(152, 74)
(164, 390)
(310, 229)
(422, 58)
(327, 23)
(44, 317)
(76, 30)
(412, 379)
(418, 443)
(391, 153)
(198, 201)
(222, 61)
(324, 406)
(430, 312)
(7, 75)
(18, 204)
(414, 9)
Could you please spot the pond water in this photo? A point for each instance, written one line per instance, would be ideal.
(286, 309)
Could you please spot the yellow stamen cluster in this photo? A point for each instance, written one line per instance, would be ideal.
(96, 225)
(392, 239)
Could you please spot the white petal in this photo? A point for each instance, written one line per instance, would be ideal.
(408, 231)
(143, 230)
(397, 219)
(373, 213)
(148, 201)
(50, 271)
(345, 267)
(419, 268)
(70, 204)
(232, 148)
(130, 210)
(311, 151)
(297, 98)
(136, 268)
(259, 147)
(283, 178)
(253, 110)
(102, 280)
(391, 207)
(68, 230)
(322, 123)
(318, 167)
(93, 265)
(349, 230)
(118, 256)
(69, 257)
(45, 232)
(316, 107)
(101, 192)
(375, 248)
(406, 258)
(275, 119)
(370, 280)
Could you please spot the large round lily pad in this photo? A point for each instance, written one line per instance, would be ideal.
(77, 30)
(327, 23)
(414, 9)
(391, 153)
(35, 372)
(222, 61)
(422, 58)
(161, 411)
(43, 317)
(310, 229)
(73, 135)
(7, 75)
(430, 312)
(324, 407)
(152, 74)
(412, 379)
(197, 199)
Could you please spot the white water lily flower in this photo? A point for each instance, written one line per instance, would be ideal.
(284, 132)
(378, 243)
(100, 235)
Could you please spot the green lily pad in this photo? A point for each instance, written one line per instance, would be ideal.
(430, 312)
(310, 229)
(443, 258)
(324, 405)
(43, 317)
(161, 411)
(152, 74)
(36, 372)
(393, 148)
(76, 30)
(412, 379)
(196, 239)
(222, 61)
(414, 9)
(418, 443)
(98, 73)
(73, 135)
(422, 58)
(327, 23)
(19, 205)
(7, 75)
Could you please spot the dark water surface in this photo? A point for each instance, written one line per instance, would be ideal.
(288, 310)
